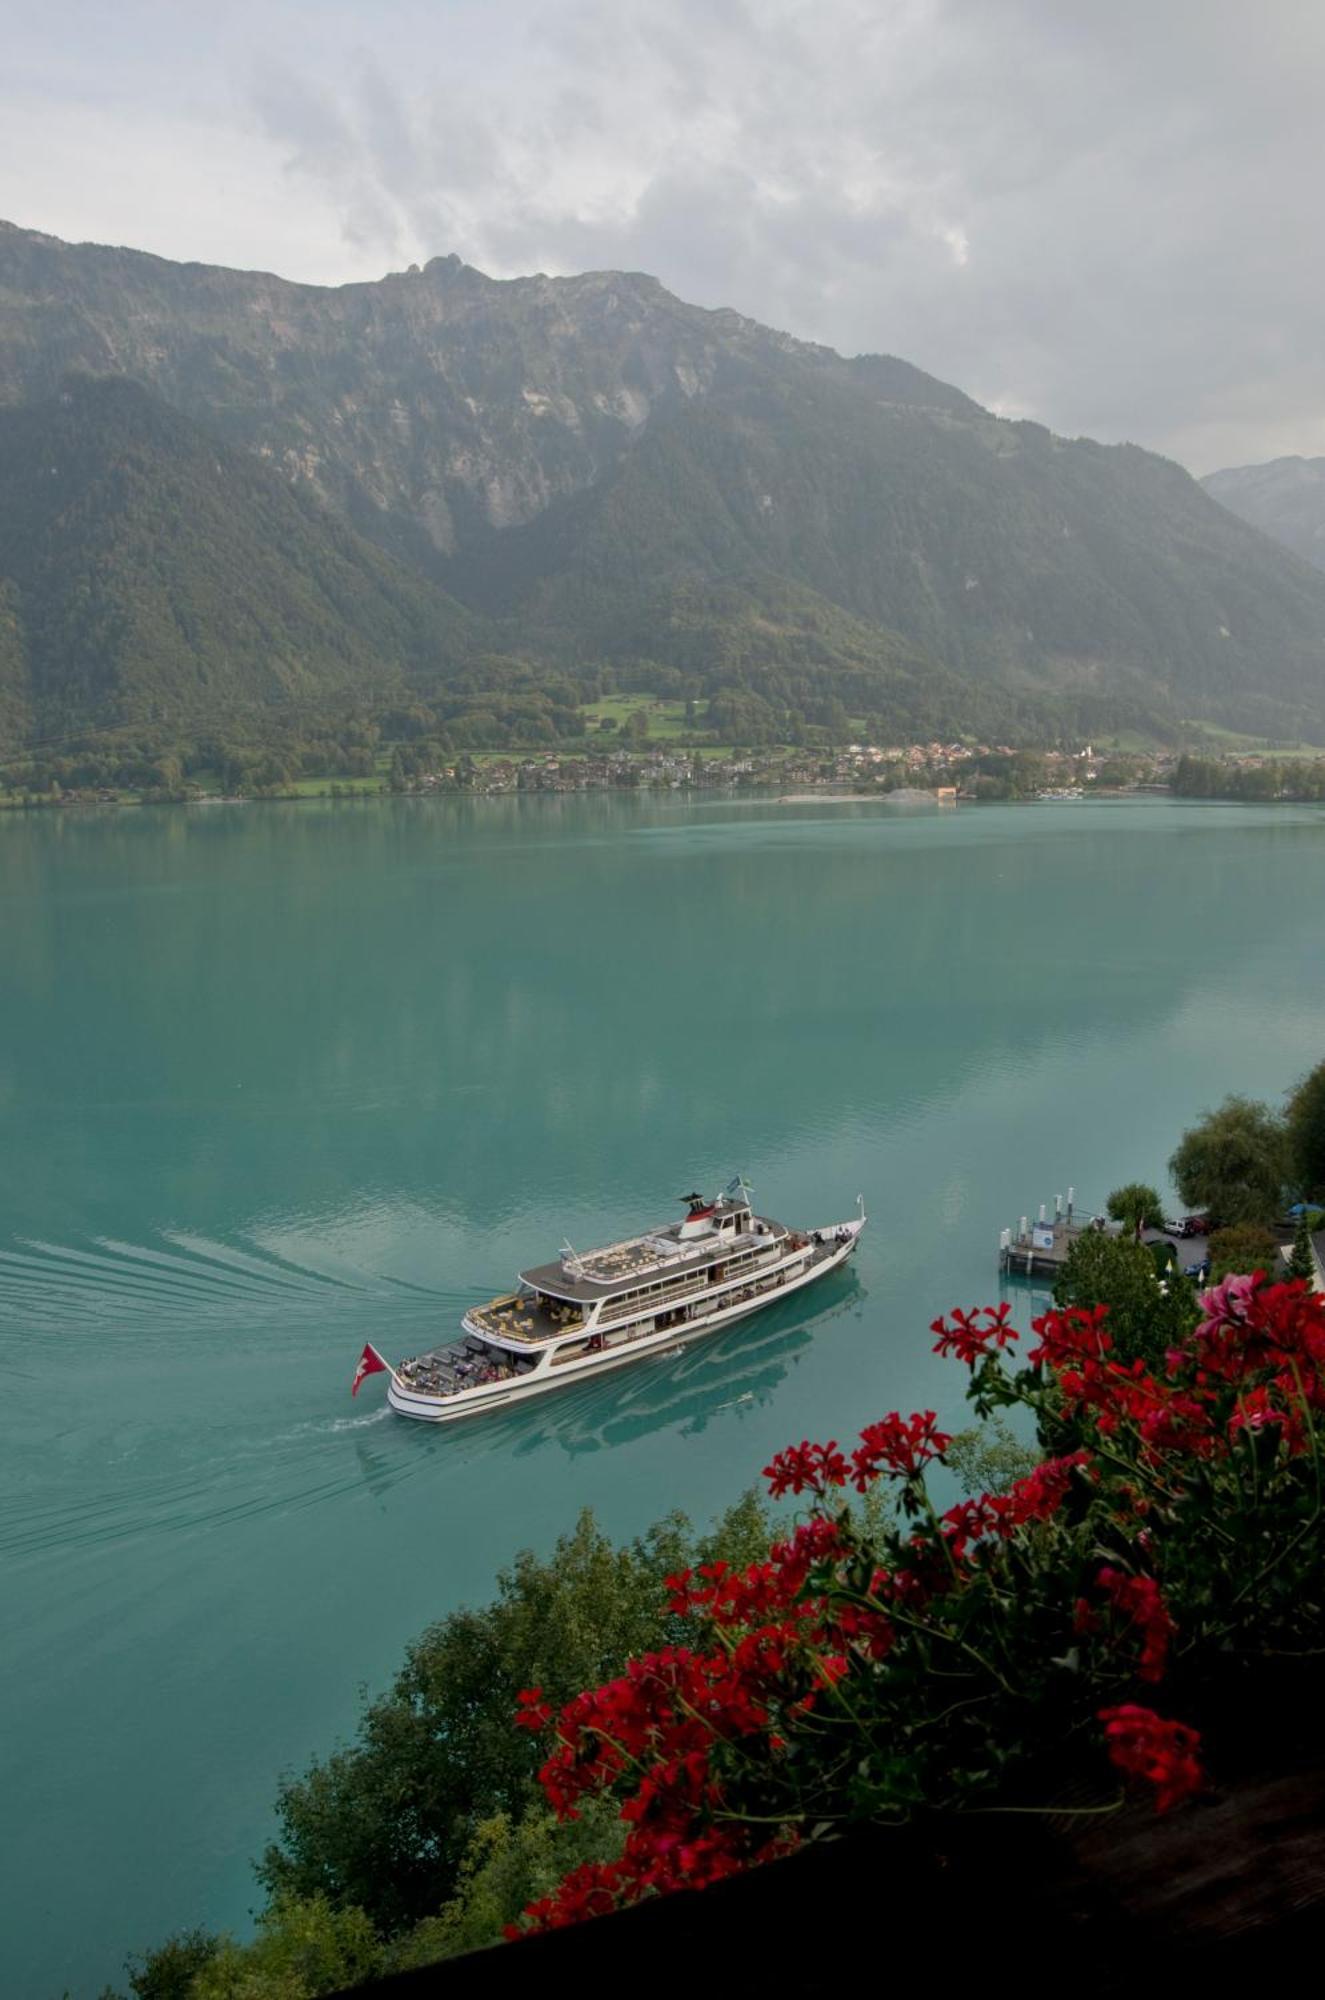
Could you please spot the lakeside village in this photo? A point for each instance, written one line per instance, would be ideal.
(625, 744)
(947, 772)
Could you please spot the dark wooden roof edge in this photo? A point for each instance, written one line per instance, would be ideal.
(1240, 1875)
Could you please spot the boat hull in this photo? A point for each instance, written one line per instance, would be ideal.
(424, 1408)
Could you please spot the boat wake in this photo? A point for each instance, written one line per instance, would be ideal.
(367, 1422)
(167, 1372)
(185, 1281)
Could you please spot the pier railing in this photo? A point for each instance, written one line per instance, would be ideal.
(1040, 1248)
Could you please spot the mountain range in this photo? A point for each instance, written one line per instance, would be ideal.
(286, 492)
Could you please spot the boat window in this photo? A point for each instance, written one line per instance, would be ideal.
(571, 1351)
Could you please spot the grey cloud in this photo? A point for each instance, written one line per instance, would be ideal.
(1101, 216)
(321, 141)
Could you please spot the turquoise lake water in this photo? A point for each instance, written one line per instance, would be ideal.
(276, 1080)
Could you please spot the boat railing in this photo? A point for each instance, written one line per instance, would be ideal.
(638, 1254)
(533, 1328)
(618, 1309)
(749, 1285)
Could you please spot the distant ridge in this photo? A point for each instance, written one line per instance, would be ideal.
(1284, 498)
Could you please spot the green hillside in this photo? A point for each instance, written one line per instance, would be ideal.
(150, 575)
(1098, 585)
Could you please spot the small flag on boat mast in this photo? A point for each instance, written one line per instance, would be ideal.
(370, 1363)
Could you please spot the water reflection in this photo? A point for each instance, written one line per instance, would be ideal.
(1028, 1298)
(349, 1002)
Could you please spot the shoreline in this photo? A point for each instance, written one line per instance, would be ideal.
(754, 794)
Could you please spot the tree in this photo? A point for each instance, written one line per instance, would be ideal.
(1164, 1256)
(1136, 1205)
(508, 1864)
(1301, 1263)
(385, 1825)
(1146, 1317)
(990, 1457)
(1306, 1132)
(168, 1972)
(1241, 1249)
(302, 1949)
(1234, 1163)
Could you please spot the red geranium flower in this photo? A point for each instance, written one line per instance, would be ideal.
(968, 1339)
(1145, 1745)
(1140, 1600)
(806, 1467)
(533, 1712)
(903, 1446)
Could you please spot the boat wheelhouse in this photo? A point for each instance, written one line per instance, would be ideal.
(585, 1313)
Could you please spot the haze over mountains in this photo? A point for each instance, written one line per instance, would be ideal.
(436, 474)
(1285, 498)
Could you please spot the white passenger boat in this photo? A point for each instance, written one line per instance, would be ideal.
(649, 1294)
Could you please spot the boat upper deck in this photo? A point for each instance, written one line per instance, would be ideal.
(663, 1253)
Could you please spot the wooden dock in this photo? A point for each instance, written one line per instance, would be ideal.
(1040, 1249)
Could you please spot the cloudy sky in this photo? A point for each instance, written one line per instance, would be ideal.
(1102, 213)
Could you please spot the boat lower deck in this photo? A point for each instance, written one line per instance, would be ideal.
(460, 1366)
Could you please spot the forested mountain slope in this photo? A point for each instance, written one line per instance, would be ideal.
(150, 574)
(614, 475)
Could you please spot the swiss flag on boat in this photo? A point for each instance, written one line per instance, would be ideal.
(370, 1363)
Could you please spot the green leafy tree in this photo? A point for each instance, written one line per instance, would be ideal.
(1241, 1248)
(1164, 1257)
(302, 1949)
(990, 1458)
(1137, 1206)
(1306, 1132)
(385, 1825)
(1234, 1163)
(1146, 1316)
(168, 1972)
(1301, 1263)
(507, 1865)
